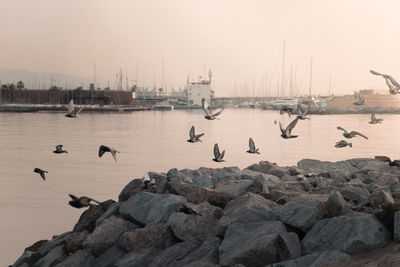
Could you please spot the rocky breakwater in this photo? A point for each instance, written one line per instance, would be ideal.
(265, 215)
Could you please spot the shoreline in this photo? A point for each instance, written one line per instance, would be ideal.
(202, 217)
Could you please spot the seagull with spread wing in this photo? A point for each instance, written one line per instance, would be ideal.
(72, 111)
(387, 159)
(81, 202)
(343, 143)
(193, 138)
(209, 113)
(252, 147)
(302, 114)
(374, 120)
(287, 133)
(350, 134)
(393, 85)
(60, 150)
(218, 157)
(103, 149)
(285, 109)
(41, 172)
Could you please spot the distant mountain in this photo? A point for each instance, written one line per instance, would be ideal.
(37, 80)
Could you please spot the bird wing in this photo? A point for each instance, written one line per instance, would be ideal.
(299, 110)
(198, 136)
(73, 197)
(59, 148)
(219, 112)
(205, 107)
(78, 110)
(216, 151)
(191, 133)
(252, 146)
(340, 128)
(114, 154)
(382, 158)
(354, 133)
(221, 156)
(340, 143)
(43, 175)
(290, 127)
(376, 73)
(306, 111)
(373, 118)
(280, 126)
(71, 106)
(102, 150)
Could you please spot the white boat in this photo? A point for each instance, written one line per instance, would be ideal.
(163, 106)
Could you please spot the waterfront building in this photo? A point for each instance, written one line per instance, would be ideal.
(198, 90)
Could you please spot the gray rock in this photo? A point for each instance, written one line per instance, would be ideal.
(379, 198)
(205, 181)
(236, 188)
(356, 194)
(106, 234)
(47, 246)
(336, 205)
(279, 171)
(176, 176)
(109, 257)
(341, 170)
(157, 236)
(24, 258)
(187, 227)
(87, 221)
(262, 166)
(282, 196)
(385, 179)
(143, 208)
(301, 212)
(75, 240)
(267, 180)
(140, 257)
(316, 259)
(112, 210)
(397, 226)
(350, 233)
(55, 256)
(245, 243)
(75, 259)
(248, 208)
(134, 186)
(314, 166)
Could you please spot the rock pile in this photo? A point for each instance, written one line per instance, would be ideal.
(265, 215)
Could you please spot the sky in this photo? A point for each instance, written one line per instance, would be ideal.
(240, 41)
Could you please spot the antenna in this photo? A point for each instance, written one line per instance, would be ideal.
(310, 74)
(162, 72)
(94, 82)
(283, 67)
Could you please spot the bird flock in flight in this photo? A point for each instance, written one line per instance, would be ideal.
(210, 114)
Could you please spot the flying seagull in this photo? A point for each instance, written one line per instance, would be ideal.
(72, 111)
(285, 109)
(193, 138)
(302, 114)
(252, 147)
(374, 120)
(217, 155)
(59, 150)
(387, 159)
(81, 201)
(104, 149)
(41, 172)
(351, 134)
(287, 133)
(393, 85)
(343, 143)
(209, 113)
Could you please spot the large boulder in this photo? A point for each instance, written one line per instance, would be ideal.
(55, 256)
(140, 257)
(258, 244)
(341, 171)
(379, 198)
(396, 229)
(313, 166)
(106, 235)
(336, 205)
(197, 194)
(74, 241)
(350, 233)
(281, 196)
(248, 208)
(267, 180)
(357, 195)
(236, 188)
(88, 219)
(262, 166)
(75, 259)
(134, 186)
(301, 212)
(158, 236)
(316, 259)
(206, 224)
(174, 175)
(143, 207)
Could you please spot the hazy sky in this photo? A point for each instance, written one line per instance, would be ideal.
(241, 41)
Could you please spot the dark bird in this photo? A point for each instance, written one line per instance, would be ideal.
(217, 155)
(285, 109)
(72, 111)
(374, 120)
(41, 172)
(302, 114)
(193, 138)
(104, 149)
(81, 202)
(185, 209)
(59, 150)
(252, 147)
(393, 85)
(209, 113)
(359, 99)
(351, 134)
(287, 133)
(343, 143)
(387, 159)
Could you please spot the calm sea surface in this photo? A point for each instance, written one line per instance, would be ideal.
(32, 209)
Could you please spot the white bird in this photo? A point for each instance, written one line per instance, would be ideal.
(393, 85)
(72, 112)
(209, 114)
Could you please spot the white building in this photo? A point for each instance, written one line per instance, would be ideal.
(199, 90)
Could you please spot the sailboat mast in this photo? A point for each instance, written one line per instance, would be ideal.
(283, 68)
(310, 75)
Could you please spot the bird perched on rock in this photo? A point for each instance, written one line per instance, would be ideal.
(285, 109)
(41, 172)
(218, 157)
(252, 147)
(374, 120)
(185, 209)
(343, 143)
(387, 159)
(287, 133)
(209, 114)
(72, 111)
(81, 202)
(350, 134)
(302, 114)
(59, 150)
(104, 149)
(193, 138)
